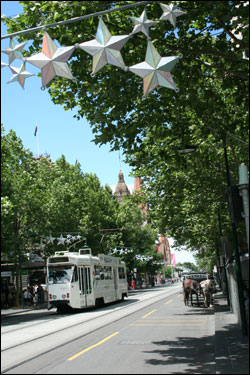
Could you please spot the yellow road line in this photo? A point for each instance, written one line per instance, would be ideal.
(148, 314)
(163, 325)
(168, 301)
(92, 347)
(171, 320)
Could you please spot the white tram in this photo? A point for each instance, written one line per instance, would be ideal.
(80, 280)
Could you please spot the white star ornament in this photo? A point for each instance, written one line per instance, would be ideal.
(52, 60)
(61, 240)
(142, 24)
(155, 70)
(105, 49)
(3, 64)
(14, 51)
(170, 13)
(19, 74)
(50, 239)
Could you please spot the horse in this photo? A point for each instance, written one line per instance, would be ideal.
(190, 287)
(208, 287)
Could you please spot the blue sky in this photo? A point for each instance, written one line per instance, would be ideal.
(59, 133)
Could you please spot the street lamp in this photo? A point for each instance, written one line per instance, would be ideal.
(187, 149)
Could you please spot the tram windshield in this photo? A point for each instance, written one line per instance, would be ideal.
(60, 275)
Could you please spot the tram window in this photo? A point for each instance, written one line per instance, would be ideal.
(59, 275)
(121, 273)
(108, 273)
(75, 275)
(103, 273)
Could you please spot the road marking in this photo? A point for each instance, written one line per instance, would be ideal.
(92, 347)
(171, 300)
(164, 325)
(171, 320)
(148, 314)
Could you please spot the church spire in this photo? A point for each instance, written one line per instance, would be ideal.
(121, 189)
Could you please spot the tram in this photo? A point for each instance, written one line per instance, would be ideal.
(80, 280)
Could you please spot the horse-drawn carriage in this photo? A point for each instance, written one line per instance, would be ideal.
(200, 284)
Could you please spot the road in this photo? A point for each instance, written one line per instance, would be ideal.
(152, 333)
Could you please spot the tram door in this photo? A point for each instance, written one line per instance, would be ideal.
(116, 283)
(85, 285)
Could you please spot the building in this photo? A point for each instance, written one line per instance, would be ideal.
(137, 188)
(164, 248)
(121, 189)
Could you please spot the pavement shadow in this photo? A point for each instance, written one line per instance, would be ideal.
(225, 353)
(196, 354)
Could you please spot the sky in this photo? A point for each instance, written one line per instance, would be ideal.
(59, 133)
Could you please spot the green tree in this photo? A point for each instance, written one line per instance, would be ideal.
(186, 193)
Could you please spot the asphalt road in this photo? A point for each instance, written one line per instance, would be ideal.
(150, 333)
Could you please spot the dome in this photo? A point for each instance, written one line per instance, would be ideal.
(121, 189)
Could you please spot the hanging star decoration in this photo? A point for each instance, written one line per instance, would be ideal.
(3, 64)
(14, 51)
(50, 239)
(52, 60)
(19, 74)
(170, 13)
(142, 24)
(61, 240)
(41, 245)
(155, 70)
(105, 49)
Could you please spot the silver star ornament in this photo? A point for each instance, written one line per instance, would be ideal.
(50, 239)
(170, 13)
(3, 64)
(14, 51)
(142, 24)
(61, 240)
(155, 70)
(105, 49)
(19, 74)
(52, 60)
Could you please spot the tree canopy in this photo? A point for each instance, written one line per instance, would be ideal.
(41, 198)
(185, 192)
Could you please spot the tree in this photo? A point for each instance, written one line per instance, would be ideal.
(185, 193)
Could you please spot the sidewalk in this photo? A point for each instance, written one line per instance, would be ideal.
(231, 347)
(18, 310)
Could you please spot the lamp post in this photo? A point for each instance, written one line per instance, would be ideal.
(243, 187)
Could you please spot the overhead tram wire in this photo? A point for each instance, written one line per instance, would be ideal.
(59, 23)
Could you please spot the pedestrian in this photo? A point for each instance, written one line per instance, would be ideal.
(6, 295)
(35, 298)
(26, 297)
(40, 293)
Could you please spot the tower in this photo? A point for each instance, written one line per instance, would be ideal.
(137, 188)
(121, 189)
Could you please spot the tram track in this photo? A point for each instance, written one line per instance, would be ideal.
(121, 312)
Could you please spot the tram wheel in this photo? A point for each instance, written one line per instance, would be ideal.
(63, 309)
(99, 302)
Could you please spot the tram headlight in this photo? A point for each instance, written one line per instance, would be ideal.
(54, 296)
(63, 296)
